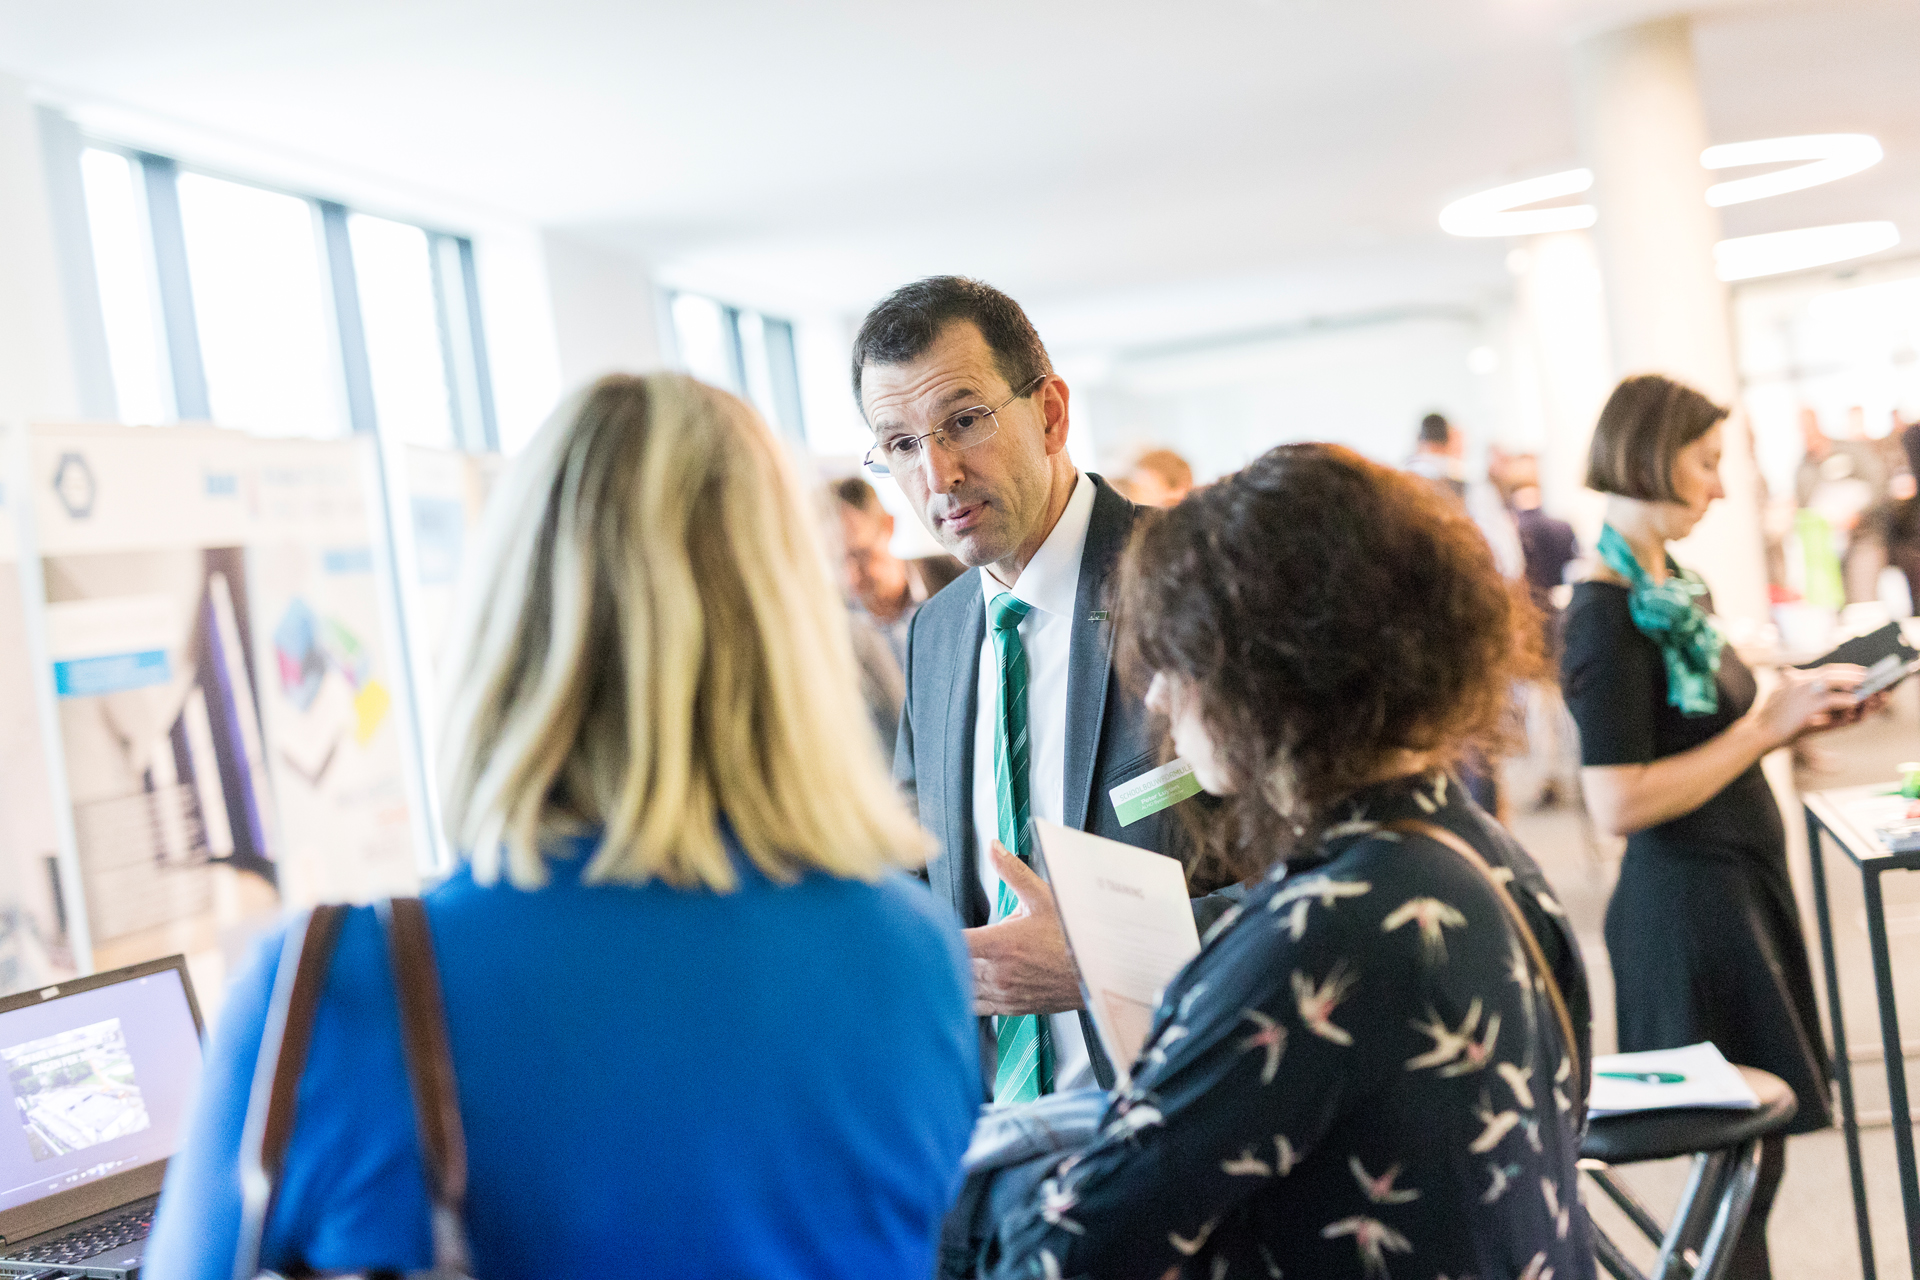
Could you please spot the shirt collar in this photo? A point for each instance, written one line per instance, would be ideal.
(1051, 580)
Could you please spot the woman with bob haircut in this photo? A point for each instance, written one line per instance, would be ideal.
(1702, 930)
(702, 1023)
(1371, 1069)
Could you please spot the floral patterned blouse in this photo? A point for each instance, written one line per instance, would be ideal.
(1358, 1075)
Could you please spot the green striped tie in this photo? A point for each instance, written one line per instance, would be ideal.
(1025, 1069)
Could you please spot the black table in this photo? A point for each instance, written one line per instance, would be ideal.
(1836, 814)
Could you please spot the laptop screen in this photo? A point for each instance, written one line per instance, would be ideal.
(99, 1082)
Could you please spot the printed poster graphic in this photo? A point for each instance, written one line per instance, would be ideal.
(331, 727)
(33, 941)
(224, 680)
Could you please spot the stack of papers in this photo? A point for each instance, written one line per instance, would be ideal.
(1888, 818)
(1696, 1076)
(1129, 926)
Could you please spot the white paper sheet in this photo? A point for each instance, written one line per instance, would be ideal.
(1705, 1079)
(1129, 924)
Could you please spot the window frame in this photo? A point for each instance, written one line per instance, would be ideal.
(456, 288)
(784, 414)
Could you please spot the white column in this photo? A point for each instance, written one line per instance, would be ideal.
(1642, 131)
(36, 365)
(1563, 365)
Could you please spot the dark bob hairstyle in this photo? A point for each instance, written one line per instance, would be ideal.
(1328, 613)
(1648, 419)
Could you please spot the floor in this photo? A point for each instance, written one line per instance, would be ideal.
(1812, 1233)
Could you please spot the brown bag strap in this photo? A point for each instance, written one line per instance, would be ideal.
(436, 1096)
(1440, 835)
(297, 987)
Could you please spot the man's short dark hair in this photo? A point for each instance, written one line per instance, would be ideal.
(909, 319)
(1435, 429)
(856, 493)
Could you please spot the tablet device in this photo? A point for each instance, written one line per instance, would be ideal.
(1885, 654)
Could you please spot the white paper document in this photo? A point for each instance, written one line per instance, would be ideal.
(1696, 1076)
(1129, 925)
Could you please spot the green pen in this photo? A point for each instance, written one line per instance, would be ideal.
(1645, 1077)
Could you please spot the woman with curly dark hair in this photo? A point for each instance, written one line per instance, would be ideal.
(1374, 1067)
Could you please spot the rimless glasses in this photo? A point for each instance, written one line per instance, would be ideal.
(960, 431)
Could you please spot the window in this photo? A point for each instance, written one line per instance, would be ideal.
(745, 352)
(281, 313)
(253, 260)
(128, 305)
(394, 265)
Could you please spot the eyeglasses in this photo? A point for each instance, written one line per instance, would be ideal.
(959, 432)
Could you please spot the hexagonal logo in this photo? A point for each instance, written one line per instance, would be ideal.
(74, 485)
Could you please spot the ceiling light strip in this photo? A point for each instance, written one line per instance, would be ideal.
(1829, 157)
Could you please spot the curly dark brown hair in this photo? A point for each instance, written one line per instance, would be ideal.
(1328, 613)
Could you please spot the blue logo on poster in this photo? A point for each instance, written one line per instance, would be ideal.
(73, 485)
(222, 484)
(113, 673)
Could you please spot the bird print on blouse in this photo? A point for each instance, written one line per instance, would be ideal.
(1372, 1238)
(1296, 898)
(1356, 1079)
(1271, 1039)
(1380, 1190)
(1520, 1080)
(1432, 916)
(1317, 1001)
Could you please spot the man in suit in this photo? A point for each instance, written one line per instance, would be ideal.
(1013, 708)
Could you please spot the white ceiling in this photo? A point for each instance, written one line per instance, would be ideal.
(1138, 171)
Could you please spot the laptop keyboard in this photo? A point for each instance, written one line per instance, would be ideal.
(120, 1229)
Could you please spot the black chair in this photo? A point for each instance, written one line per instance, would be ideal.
(1725, 1145)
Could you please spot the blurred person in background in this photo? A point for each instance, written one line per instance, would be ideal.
(886, 588)
(1159, 478)
(1440, 458)
(1837, 486)
(702, 1023)
(1702, 930)
(1901, 526)
(1550, 549)
(1349, 1080)
(1547, 543)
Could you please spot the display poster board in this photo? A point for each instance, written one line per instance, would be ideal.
(225, 673)
(446, 492)
(35, 948)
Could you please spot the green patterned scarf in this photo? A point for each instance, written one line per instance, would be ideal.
(1668, 613)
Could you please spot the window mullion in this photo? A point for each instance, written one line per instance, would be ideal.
(350, 331)
(463, 351)
(736, 353)
(160, 178)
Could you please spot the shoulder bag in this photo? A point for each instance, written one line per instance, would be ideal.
(288, 1034)
(1518, 919)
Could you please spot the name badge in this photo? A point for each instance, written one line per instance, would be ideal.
(1153, 791)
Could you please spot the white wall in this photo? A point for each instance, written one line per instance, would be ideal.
(606, 318)
(1365, 386)
(36, 366)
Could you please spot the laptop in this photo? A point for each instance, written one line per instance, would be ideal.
(100, 1073)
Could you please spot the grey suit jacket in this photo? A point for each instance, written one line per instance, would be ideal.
(1108, 738)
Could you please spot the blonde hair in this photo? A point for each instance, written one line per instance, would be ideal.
(648, 640)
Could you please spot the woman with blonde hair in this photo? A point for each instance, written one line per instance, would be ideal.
(701, 1023)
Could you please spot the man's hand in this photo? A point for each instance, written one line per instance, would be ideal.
(1021, 965)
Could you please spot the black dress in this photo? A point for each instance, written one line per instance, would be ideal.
(1358, 1076)
(1703, 930)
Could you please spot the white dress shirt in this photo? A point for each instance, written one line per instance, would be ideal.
(1050, 583)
